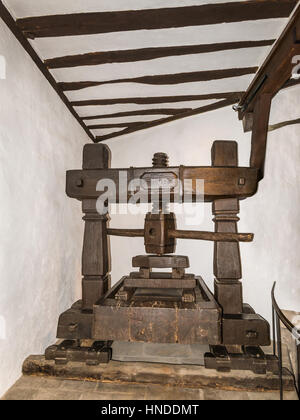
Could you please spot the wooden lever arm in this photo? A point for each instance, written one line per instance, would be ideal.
(211, 236)
(129, 233)
(188, 234)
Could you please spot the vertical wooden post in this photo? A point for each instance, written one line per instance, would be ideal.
(227, 260)
(260, 127)
(95, 254)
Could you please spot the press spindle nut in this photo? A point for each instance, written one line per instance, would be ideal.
(160, 160)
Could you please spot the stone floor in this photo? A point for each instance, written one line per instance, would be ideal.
(47, 388)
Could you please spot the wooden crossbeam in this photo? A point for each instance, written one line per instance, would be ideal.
(132, 20)
(166, 79)
(197, 111)
(143, 54)
(234, 96)
(155, 111)
(282, 124)
(118, 125)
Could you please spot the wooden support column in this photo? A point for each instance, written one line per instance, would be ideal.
(95, 254)
(260, 127)
(227, 260)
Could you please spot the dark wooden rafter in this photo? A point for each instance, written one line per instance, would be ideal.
(132, 20)
(274, 74)
(284, 124)
(142, 126)
(166, 79)
(105, 22)
(143, 54)
(119, 125)
(234, 96)
(10, 22)
(154, 111)
(291, 83)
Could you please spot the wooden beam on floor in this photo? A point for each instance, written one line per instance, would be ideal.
(133, 20)
(143, 54)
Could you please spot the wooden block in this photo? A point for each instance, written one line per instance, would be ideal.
(229, 297)
(166, 261)
(96, 156)
(225, 153)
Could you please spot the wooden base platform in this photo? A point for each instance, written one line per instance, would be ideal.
(158, 374)
(161, 317)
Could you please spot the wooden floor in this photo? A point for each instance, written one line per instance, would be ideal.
(48, 388)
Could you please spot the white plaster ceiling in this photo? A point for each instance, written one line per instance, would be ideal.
(52, 47)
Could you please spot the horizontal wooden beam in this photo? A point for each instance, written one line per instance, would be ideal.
(166, 79)
(234, 96)
(197, 111)
(10, 22)
(261, 118)
(187, 234)
(117, 125)
(127, 56)
(132, 20)
(155, 111)
(282, 124)
(220, 182)
(291, 83)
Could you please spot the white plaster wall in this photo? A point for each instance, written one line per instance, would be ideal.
(40, 228)
(272, 214)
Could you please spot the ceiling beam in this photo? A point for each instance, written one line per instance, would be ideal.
(291, 83)
(284, 124)
(234, 96)
(154, 111)
(143, 54)
(10, 22)
(197, 111)
(166, 79)
(118, 125)
(132, 20)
